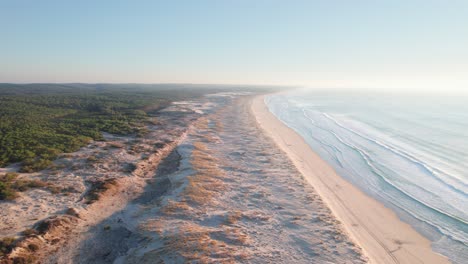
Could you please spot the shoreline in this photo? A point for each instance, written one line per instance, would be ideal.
(383, 237)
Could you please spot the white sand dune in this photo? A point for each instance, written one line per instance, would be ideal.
(232, 197)
(381, 234)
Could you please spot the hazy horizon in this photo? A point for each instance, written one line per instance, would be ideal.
(288, 88)
(395, 46)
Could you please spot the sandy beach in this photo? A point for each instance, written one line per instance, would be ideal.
(383, 237)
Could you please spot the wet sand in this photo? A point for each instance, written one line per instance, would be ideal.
(383, 237)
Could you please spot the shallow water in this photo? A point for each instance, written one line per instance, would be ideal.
(410, 152)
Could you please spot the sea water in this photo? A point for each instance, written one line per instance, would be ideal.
(409, 152)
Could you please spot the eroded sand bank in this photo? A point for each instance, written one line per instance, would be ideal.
(378, 230)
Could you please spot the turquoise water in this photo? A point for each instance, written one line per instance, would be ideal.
(409, 152)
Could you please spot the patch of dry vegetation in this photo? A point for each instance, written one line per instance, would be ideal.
(173, 207)
(97, 188)
(233, 217)
(92, 159)
(218, 124)
(32, 245)
(207, 181)
(204, 245)
(6, 245)
(192, 241)
(116, 144)
(256, 216)
(202, 124)
(10, 186)
(236, 236)
(54, 225)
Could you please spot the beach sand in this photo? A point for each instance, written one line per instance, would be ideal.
(383, 237)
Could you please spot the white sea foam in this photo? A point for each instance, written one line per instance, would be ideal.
(408, 152)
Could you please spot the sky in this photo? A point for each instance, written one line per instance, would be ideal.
(374, 44)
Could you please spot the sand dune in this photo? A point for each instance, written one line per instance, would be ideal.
(226, 194)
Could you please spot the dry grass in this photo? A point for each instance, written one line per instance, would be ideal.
(202, 124)
(157, 225)
(200, 146)
(236, 236)
(6, 245)
(201, 188)
(116, 144)
(233, 217)
(190, 241)
(173, 207)
(218, 124)
(207, 182)
(10, 185)
(97, 189)
(256, 216)
(29, 232)
(197, 243)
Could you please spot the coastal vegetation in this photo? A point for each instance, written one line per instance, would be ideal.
(6, 245)
(10, 185)
(40, 121)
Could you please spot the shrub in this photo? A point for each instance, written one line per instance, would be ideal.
(142, 131)
(36, 184)
(9, 186)
(29, 232)
(73, 212)
(24, 185)
(33, 247)
(116, 145)
(92, 159)
(130, 167)
(8, 177)
(24, 260)
(69, 190)
(32, 165)
(6, 245)
(98, 187)
(54, 189)
(6, 193)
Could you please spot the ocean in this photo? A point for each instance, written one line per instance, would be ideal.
(410, 152)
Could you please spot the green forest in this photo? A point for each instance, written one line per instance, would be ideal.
(40, 121)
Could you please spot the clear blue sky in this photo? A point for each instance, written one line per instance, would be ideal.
(329, 43)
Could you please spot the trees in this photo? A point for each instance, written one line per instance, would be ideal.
(39, 121)
(37, 125)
